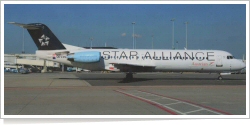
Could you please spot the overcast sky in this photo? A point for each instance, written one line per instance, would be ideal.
(211, 26)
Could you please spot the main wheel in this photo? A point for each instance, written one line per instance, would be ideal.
(129, 76)
(220, 78)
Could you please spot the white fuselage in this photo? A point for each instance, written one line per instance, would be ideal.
(161, 60)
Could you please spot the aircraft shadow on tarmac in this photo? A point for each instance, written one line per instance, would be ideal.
(160, 81)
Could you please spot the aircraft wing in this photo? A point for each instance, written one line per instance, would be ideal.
(134, 64)
(130, 67)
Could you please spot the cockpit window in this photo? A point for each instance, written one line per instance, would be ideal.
(230, 57)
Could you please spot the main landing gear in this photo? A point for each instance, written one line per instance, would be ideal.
(220, 77)
(129, 76)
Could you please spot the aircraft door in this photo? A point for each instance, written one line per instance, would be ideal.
(219, 61)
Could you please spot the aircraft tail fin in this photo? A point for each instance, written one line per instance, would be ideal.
(42, 36)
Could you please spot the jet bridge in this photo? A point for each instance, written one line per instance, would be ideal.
(37, 62)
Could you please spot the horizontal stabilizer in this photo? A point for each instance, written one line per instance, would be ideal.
(26, 26)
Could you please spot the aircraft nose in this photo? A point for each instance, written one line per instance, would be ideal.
(239, 65)
(243, 65)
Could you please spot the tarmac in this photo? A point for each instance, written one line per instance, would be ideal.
(110, 94)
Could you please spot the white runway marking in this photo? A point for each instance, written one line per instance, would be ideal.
(175, 105)
(86, 83)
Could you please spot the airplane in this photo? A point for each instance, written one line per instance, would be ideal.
(130, 61)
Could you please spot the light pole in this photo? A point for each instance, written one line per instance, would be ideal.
(173, 33)
(23, 42)
(152, 41)
(135, 41)
(186, 33)
(133, 23)
(177, 44)
(91, 42)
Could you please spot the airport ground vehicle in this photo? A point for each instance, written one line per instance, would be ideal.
(23, 71)
(12, 70)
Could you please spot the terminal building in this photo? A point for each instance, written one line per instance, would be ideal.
(30, 61)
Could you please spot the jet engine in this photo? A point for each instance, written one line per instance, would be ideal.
(85, 57)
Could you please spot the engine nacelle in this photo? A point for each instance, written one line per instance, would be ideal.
(85, 57)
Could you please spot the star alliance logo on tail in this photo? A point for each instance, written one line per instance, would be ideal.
(44, 40)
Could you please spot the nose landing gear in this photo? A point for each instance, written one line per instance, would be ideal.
(220, 75)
